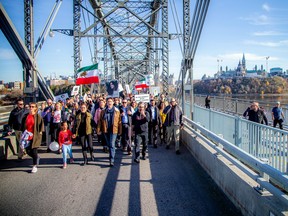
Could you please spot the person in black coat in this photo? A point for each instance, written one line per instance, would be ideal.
(257, 115)
(126, 119)
(140, 120)
(154, 123)
(14, 122)
(207, 102)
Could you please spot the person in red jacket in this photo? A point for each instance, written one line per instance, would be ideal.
(65, 142)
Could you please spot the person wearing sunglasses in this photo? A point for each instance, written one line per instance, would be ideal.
(14, 123)
(33, 123)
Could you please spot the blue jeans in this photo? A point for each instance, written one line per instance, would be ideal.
(110, 140)
(66, 149)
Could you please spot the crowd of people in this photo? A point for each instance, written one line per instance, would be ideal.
(111, 122)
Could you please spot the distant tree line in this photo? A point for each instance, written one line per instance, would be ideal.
(271, 85)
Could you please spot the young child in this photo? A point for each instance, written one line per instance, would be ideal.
(65, 142)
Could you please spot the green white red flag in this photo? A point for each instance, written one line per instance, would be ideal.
(87, 75)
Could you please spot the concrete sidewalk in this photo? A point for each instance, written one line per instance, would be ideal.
(164, 184)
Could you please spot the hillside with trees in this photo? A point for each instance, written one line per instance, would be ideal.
(271, 85)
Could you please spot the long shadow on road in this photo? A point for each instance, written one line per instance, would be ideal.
(182, 187)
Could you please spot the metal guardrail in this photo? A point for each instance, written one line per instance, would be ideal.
(243, 160)
(261, 141)
(237, 106)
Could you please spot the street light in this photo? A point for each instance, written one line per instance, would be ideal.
(267, 63)
(68, 32)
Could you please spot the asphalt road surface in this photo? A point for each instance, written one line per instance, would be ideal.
(164, 184)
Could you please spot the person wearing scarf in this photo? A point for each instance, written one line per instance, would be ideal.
(110, 125)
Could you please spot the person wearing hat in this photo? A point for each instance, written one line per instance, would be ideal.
(277, 115)
(154, 122)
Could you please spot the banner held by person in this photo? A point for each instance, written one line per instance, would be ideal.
(75, 90)
(87, 75)
(142, 98)
(61, 97)
(112, 89)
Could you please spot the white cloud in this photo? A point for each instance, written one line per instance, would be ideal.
(7, 54)
(257, 19)
(268, 33)
(267, 43)
(266, 7)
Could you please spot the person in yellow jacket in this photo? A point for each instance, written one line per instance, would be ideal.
(162, 128)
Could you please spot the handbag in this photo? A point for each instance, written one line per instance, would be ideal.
(24, 140)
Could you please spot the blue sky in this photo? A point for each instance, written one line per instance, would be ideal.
(233, 27)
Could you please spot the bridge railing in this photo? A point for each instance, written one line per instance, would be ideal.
(263, 173)
(264, 142)
(236, 106)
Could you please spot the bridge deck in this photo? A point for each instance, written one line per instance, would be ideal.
(164, 184)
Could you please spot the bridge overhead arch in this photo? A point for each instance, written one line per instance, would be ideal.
(131, 37)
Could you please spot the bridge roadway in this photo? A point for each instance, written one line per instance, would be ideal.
(164, 184)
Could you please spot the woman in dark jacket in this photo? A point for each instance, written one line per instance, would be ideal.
(33, 123)
(83, 130)
(207, 102)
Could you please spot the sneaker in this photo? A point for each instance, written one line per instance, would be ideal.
(71, 160)
(129, 152)
(34, 169)
(143, 157)
(136, 160)
(64, 166)
(111, 164)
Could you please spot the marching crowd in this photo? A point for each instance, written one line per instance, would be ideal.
(116, 122)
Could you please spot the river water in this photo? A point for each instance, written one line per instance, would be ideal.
(283, 98)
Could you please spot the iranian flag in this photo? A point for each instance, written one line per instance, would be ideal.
(141, 84)
(87, 75)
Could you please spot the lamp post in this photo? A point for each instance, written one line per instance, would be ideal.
(267, 63)
(68, 32)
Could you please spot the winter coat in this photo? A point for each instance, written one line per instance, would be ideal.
(178, 116)
(15, 118)
(103, 124)
(38, 129)
(88, 123)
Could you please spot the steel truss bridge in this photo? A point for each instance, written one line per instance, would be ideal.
(131, 37)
